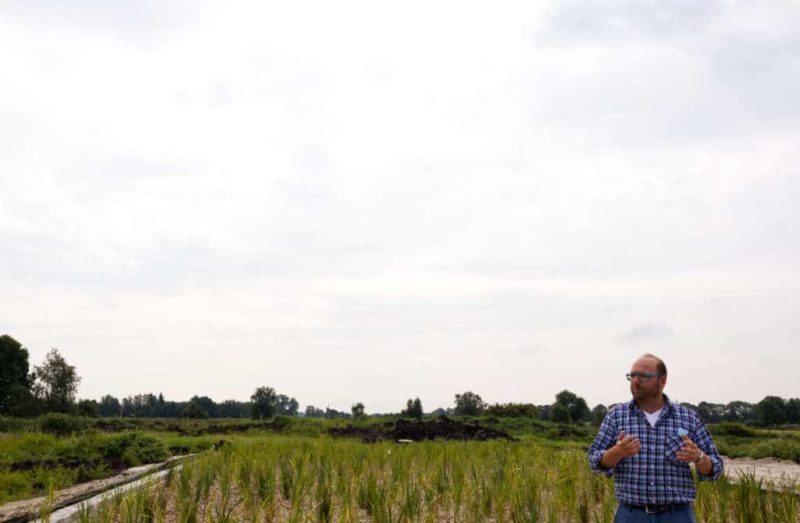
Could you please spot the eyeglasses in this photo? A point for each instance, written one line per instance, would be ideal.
(641, 375)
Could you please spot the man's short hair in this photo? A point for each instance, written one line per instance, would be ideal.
(660, 365)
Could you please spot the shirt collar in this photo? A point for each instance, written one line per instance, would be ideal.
(632, 405)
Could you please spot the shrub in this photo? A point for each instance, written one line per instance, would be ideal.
(281, 422)
(13, 485)
(9, 424)
(135, 448)
(513, 410)
(62, 424)
(728, 428)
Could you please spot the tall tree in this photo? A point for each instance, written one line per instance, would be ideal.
(469, 404)
(314, 412)
(357, 410)
(577, 407)
(560, 414)
(771, 411)
(56, 382)
(264, 402)
(286, 406)
(194, 409)
(207, 404)
(793, 410)
(711, 412)
(13, 371)
(88, 408)
(598, 414)
(110, 406)
(739, 411)
(413, 409)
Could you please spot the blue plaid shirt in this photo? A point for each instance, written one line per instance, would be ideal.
(654, 474)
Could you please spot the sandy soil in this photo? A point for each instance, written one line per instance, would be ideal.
(779, 472)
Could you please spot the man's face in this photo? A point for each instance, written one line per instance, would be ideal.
(644, 389)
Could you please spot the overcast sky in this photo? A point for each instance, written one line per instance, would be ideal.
(368, 201)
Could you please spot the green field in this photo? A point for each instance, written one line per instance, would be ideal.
(279, 478)
(291, 470)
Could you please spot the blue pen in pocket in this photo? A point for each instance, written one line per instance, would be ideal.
(682, 432)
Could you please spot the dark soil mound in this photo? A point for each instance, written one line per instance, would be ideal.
(442, 428)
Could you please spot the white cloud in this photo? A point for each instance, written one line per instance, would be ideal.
(646, 332)
(340, 193)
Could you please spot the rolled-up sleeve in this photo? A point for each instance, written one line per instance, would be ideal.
(703, 440)
(606, 437)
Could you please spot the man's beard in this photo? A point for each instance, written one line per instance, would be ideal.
(641, 394)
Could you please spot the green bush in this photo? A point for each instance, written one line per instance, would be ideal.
(62, 424)
(281, 422)
(43, 479)
(9, 424)
(135, 448)
(728, 428)
(13, 485)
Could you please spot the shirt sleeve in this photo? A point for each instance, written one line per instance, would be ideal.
(703, 440)
(605, 439)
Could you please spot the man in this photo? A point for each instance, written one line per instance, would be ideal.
(647, 444)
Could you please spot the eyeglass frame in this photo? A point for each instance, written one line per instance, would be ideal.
(642, 375)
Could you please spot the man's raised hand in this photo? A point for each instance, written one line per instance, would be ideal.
(689, 452)
(627, 446)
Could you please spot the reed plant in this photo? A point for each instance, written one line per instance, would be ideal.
(322, 480)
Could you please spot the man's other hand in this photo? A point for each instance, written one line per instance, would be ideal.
(627, 446)
(689, 452)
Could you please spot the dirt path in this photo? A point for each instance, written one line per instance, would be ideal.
(780, 472)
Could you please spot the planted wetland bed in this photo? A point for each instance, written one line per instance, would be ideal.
(317, 470)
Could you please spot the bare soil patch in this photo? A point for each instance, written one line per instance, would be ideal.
(778, 471)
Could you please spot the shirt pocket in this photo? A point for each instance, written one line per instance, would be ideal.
(672, 447)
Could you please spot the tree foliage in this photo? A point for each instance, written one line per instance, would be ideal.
(286, 406)
(194, 409)
(264, 403)
(771, 411)
(88, 408)
(357, 410)
(513, 410)
(469, 404)
(110, 406)
(575, 405)
(598, 414)
(413, 409)
(313, 412)
(56, 382)
(560, 414)
(13, 372)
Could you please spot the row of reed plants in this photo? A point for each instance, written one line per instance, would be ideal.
(321, 480)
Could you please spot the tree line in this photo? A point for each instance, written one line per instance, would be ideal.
(52, 387)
